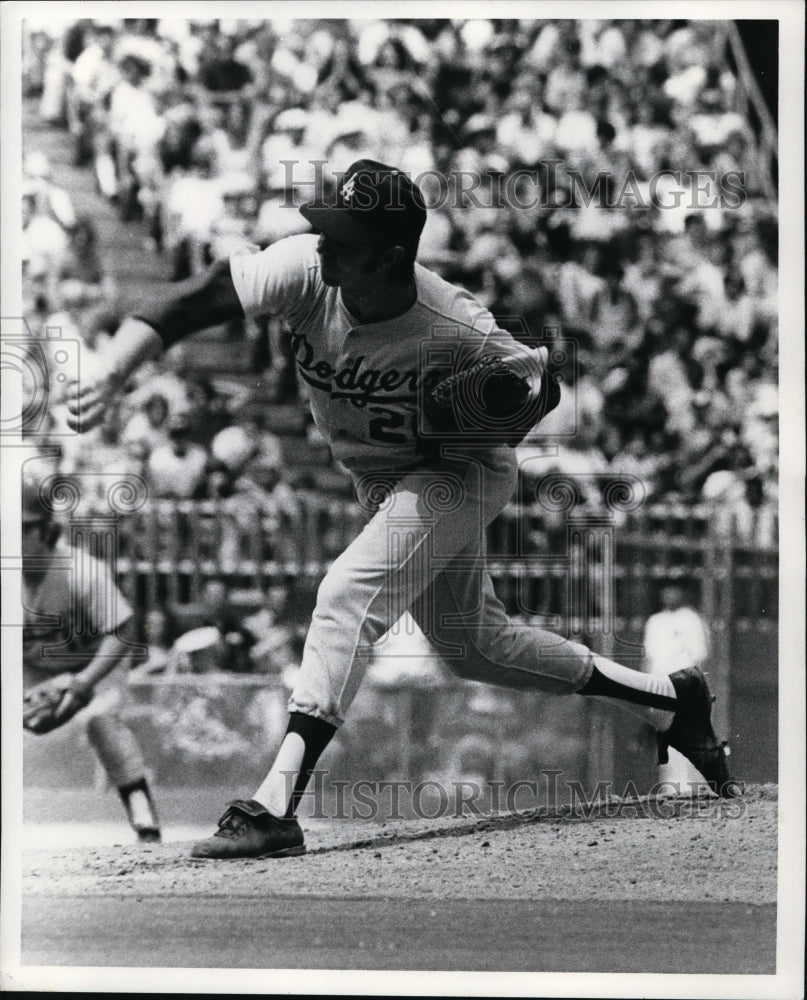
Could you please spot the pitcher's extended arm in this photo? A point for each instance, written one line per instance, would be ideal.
(171, 315)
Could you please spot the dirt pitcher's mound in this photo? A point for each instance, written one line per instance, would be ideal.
(650, 849)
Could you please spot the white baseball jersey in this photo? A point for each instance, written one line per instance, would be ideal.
(364, 377)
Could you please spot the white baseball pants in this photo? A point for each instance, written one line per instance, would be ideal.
(423, 550)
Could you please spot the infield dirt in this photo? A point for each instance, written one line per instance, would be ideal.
(679, 886)
(676, 850)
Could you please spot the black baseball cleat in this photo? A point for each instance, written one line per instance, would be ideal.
(149, 835)
(248, 830)
(691, 733)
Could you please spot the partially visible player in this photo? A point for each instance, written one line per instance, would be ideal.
(73, 656)
(676, 637)
(362, 311)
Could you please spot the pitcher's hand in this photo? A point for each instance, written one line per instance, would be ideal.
(103, 376)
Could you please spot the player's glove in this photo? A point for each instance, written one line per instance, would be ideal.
(48, 705)
(488, 400)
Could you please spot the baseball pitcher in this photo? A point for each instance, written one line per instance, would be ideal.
(421, 396)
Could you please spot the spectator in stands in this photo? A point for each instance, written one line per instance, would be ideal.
(42, 245)
(177, 469)
(580, 455)
(81, 260)
(74, 303)
(135, 127)
(208, 409)
(183, 128)
(167, 381)
(159, 631)
(51, 200)
(614, 311)
(641, 95)
(565, 83)
(525, 132)
(92, 78)
(258, 509)
(342, 73)
(35, 48)
(149, 426)
(277, 504)
(143, 39)
(758, 264)
(237, 640)
(218, 639)
(760, 435)
(703, 285)
(668, 380)
(174, 153)
(266, 446)
(107, 458)
(274, 650)
(736, 321)
(736, 156)
(79, 267)
(284, 142)
(191, 203)
(635, 458)
(230, 451)
(219, 69)
(648, 139)
(219, 141)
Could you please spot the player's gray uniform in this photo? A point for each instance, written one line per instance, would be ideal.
(67, 614)
(423, 546)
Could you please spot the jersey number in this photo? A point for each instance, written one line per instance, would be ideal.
(385, 427)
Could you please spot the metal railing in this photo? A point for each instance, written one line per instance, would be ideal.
(592, 575)
(750, 104)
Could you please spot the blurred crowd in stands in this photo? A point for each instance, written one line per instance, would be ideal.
(206, 133)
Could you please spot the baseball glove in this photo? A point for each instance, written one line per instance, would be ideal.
(48, 705)
(487, 400)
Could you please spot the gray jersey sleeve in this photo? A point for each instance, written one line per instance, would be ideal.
(279, 280)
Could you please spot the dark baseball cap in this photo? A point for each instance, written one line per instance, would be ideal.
(373, 202)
